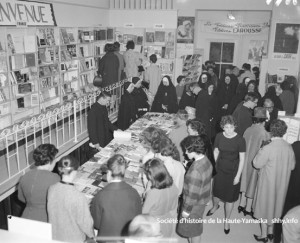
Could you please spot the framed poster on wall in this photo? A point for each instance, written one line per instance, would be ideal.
(185, 29)
(286, 41)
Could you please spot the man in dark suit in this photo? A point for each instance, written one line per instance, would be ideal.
(99, 126)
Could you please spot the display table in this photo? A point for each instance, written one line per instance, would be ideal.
(91, 176)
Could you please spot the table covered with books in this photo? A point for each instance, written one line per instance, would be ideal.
(91, 176)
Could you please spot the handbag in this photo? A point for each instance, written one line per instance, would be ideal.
(97, 81)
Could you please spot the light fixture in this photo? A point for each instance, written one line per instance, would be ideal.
(278, 2)
(230, 16)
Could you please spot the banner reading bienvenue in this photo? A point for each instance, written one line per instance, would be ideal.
(235, 28)
(14, 13)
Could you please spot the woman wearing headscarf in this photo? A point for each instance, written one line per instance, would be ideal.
(127, 110)
(140, 97)
(225, 93)
(203, 80)
(165, 99)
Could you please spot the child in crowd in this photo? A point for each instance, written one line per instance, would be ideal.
(153, 75)
(180, 86)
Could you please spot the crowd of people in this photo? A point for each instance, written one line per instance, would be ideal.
(233, 150)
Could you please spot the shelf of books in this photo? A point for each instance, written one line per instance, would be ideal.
(23, 73)
(44, 67)
(162, 43)
(48, 65)
(5, 108)
(151, 41)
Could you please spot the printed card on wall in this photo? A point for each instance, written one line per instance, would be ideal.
(170, 39)
(150, 37)
(185, 29)
(110, 34)
(286, 41)
(159, 37)
(257, 49)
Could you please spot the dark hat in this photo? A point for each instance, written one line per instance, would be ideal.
(260, 112)
(126, 85)
(135, 80)
(141, 68)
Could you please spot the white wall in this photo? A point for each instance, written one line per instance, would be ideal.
(188, 7)
(203, 38)
(78, 13)
(143, 18)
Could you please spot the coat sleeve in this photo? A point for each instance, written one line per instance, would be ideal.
(149, 203)
(21, 196)
(173, 105)
(138, 203)
(92, 127)
(101, 66)
(96, 211)
(191, 195)
(83, 217)
(262, 157)
(124, 115)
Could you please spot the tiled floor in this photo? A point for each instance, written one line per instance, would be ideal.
(239, 231)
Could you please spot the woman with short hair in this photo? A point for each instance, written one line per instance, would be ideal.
(229, 153)
(117, 203)
(68, 208)
(196, 190)
(275, 162)
(162, 198)
(34, 185)
(132, 60)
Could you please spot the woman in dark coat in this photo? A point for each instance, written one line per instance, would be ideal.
(252, 87)
(203, 80)
(165, 99)
(127, 110)
(109, 66)
(225, 93)
(140, 97)
(33, 186)
(188, 98)
(213, 108)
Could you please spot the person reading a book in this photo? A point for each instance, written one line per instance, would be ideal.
(100, 128)
(117, 203)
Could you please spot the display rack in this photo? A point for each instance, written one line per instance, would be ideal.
(42, 68)
(151, 41)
